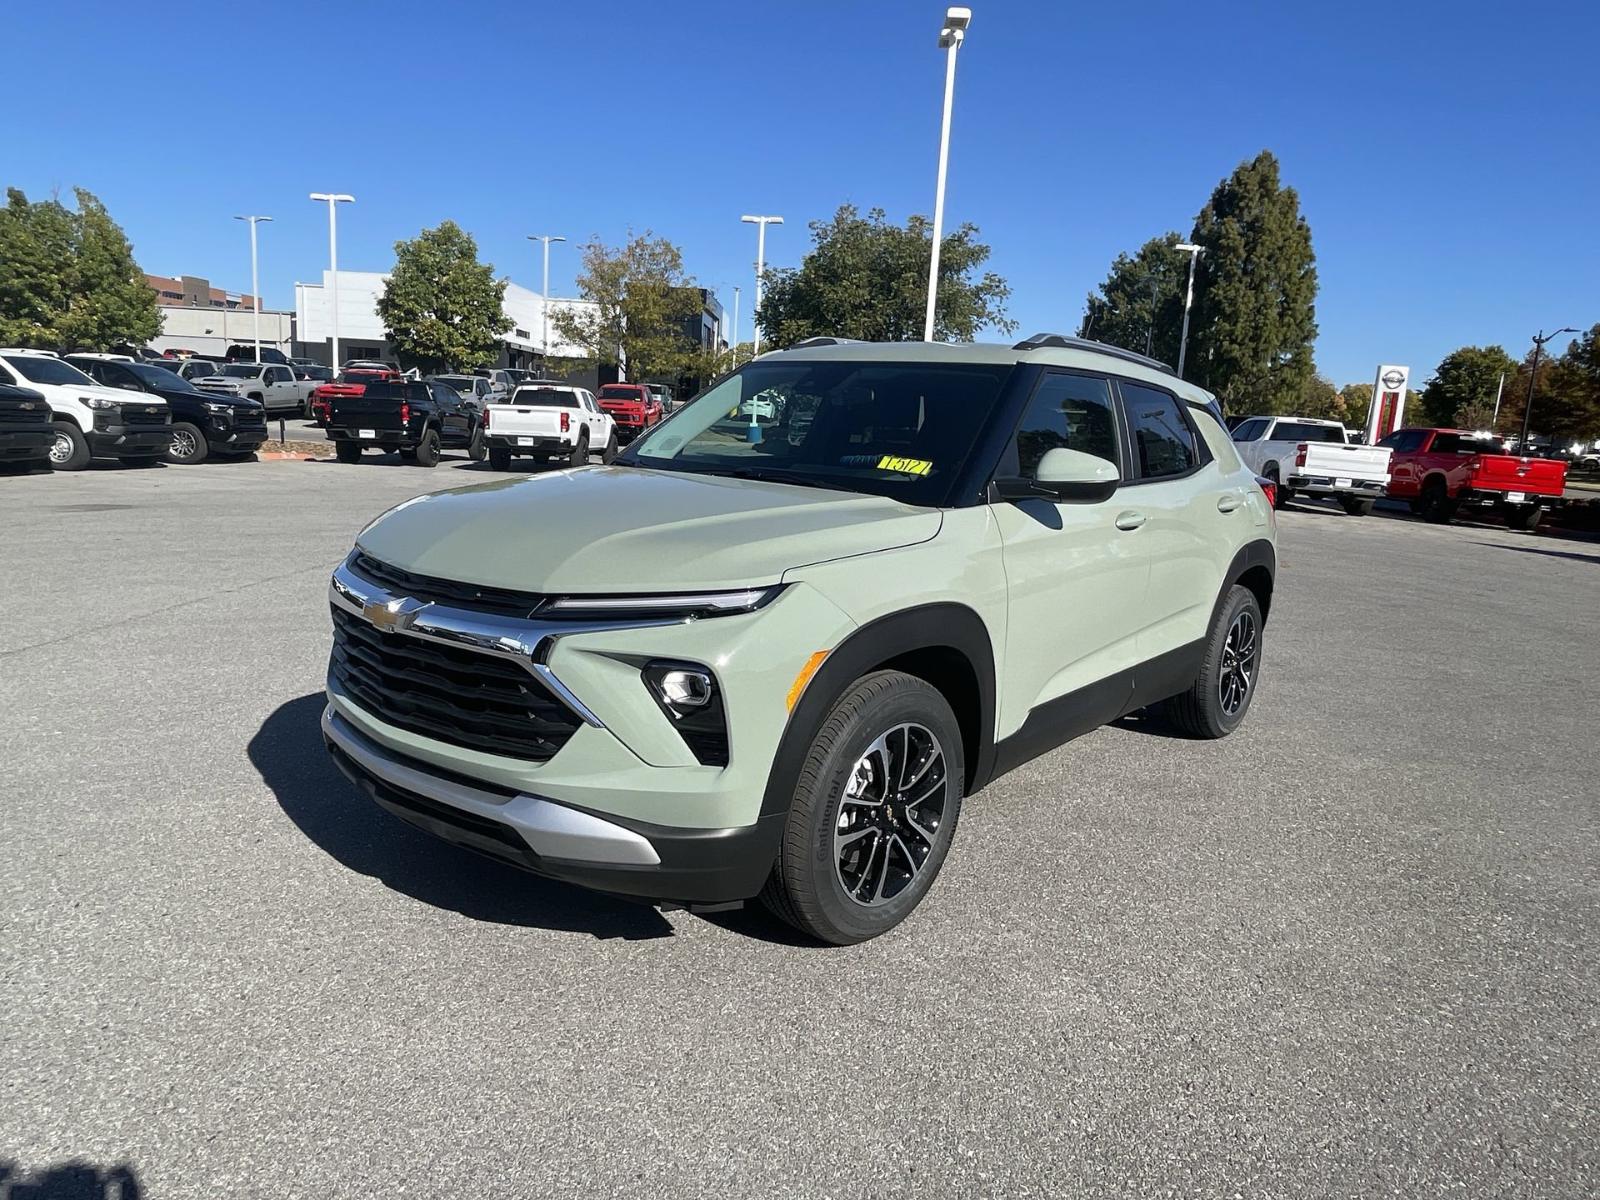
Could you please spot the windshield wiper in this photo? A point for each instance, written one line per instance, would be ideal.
(779, 475)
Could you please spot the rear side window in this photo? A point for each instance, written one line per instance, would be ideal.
(1071, 412)
(1406, 441)
(1250, 430)
(1163, 440)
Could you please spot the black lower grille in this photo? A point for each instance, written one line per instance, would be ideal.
(141, 414)
(478, 701)
(445, 591)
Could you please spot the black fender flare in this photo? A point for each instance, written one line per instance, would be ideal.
(1258, 553)
(927, 627)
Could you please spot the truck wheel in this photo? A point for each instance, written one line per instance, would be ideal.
(1437, 507)
(580, 452)
(188, 444)
(609, 454)
(1525, 517)
(347, 452)
(427, 451)
(873, 813)
(477, 447)
(69, 452)
(499, 460)
(1356, 506)
(1217, 702)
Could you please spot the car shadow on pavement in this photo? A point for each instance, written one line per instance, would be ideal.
(71, 1180)
(1588, 558)
(328, 809)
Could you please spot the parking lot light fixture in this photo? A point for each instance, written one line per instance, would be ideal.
(255, 278)
(953, 33)
(544, 294)
(333, 200)
(1539, 339)
(761, 224)
(1194, 252)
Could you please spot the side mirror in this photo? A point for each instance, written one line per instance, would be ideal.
(1065, 476)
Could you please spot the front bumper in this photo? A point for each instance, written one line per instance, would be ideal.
(26, 444)
(695, 867)
(123, 441)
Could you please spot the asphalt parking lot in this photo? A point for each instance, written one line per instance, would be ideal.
(1352, 950)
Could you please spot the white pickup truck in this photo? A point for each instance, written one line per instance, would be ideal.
(280, 389)
(544, 420)
(1314, 457)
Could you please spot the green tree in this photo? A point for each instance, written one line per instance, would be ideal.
(1319, 398)
(443, 309)
(1550, 414)
(865, 278)
(1254, 317)
(641, 306)
(69, 280)
(1466, 379)
(1357, 399)
(1577, 382)
(1140, 304)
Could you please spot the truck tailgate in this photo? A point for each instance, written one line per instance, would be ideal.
(1507, 473)
(1346, 462)
(381, 414)
(523, 420)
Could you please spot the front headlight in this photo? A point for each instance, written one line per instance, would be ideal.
(99, 404)
(678, 604)
(219, 410)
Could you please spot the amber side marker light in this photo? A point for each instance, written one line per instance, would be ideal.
(806, 672)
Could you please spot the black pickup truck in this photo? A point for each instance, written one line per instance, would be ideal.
(202, 423)
(417, 419)
(25, 429)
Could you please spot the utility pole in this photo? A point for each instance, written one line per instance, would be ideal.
(951, 36)
(333, 200)
(544, 294)
(1539, 339)
(255, 278)
(761, 224)
(1194, 253)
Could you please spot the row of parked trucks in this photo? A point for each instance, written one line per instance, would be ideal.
(1436, 471)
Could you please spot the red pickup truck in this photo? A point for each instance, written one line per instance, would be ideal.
(1439, 470)
(352, 381)
(633, 406)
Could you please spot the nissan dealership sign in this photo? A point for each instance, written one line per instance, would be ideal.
(1387, 411)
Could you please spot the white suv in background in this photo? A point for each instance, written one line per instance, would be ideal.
(545, 420)
(90, 420)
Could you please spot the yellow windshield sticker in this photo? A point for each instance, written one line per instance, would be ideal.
(908, 466)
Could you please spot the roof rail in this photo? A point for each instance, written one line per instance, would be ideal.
(1060, 341)
(823, 341)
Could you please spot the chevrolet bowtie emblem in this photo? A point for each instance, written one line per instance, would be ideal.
(394, 616)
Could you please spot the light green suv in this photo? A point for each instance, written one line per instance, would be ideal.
(774, 647)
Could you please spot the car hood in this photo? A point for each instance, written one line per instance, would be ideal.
(625, 529)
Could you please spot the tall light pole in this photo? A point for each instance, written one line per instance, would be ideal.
(1194, 252)
(951, 36)
(733, 346)
(761, 224)
(255, 278)
(333, 200)
(544, 301)
(1539, 339)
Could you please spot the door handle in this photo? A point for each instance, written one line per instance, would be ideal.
(1229, 501)
(1130, 520)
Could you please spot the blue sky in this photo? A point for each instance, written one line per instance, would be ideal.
(1444, 152)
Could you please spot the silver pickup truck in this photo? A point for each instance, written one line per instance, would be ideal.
(1315, 458)
(279, 388)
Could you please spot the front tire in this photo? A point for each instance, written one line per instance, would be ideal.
(873, 814)
(427, 451)
(69, 452)
(188, 444)
(1220, 696)
(347, 452)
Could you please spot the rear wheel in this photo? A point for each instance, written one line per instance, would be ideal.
(1437, 507)
(347, 452)
(1280, 493)
(873, 814)
(499, 460)
(1217, 702)
(188, 444)
(609, 454)
(427, 451)
(1525, 517)
(580, 452)
(477, 447)
(1356, 506)
(69, 452)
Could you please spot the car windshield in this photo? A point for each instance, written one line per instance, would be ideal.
(38, 368)
(241, 370)
(461, 383)
(167, 381)
(897, 429)
(543, 397)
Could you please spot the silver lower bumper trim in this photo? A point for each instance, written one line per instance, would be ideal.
(553, 830)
